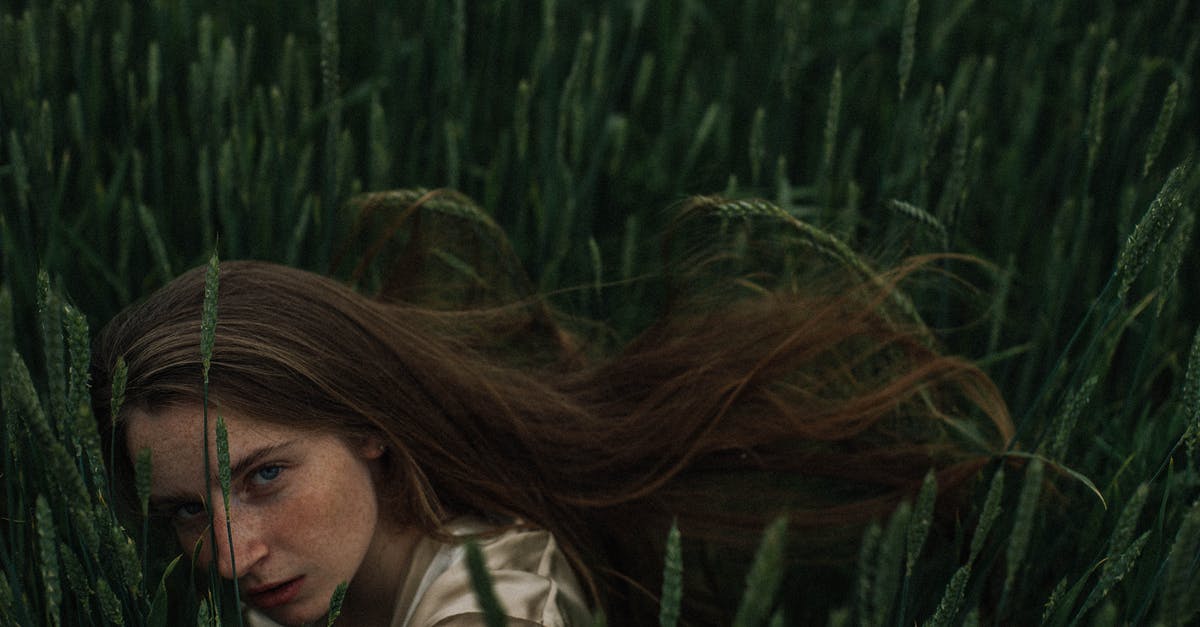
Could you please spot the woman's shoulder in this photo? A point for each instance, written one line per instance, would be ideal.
(531, 578)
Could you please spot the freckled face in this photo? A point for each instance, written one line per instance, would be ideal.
(303, 508)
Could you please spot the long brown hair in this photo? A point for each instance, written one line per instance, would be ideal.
(814, 403)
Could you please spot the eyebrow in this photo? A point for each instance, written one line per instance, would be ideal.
(236, 470)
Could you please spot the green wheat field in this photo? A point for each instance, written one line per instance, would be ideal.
(1051, 141)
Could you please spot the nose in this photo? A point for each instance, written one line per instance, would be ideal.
(248, 545)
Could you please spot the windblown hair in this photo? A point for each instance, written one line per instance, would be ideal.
(818, 405)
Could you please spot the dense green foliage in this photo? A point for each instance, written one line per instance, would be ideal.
(1051, 139)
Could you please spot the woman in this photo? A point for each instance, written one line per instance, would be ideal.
(367, 438)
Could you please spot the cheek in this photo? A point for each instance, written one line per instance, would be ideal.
(329, 514)
(194, 543)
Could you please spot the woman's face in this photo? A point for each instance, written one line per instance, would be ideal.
(302, 506)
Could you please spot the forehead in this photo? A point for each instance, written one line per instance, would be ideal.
(180, 429)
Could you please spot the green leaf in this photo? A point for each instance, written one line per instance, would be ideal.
(157, 617)
(481, 583)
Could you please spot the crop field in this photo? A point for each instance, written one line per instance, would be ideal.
(1043, 154)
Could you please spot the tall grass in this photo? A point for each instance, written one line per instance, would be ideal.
(1051, 138)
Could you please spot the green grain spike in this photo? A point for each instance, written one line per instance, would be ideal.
(766, 573)
(223, 470)
(41, 139)
(79, 358)
(952, 598)
(119, 376)
(867, 551)
(1150, 229)
(109, 604)
(227, 177)
(908, 43)
(956, 181)
(783, 187)
(77, 578)
(84, 430)
(1161, 127)
(6, 599)
(1173, 258)
(1115, 569)
(481, 583)
(1127, 523)
(204, 195)
(923, 218)
(19, 172)
(991, 509)
(672, 588)
(127, 564)
(1094, 132)
(618, 129)
(700, 135)
(568, 145)
(153, 72)
(831, 120)
(1018, 540)
(597, 268)
(48, 560)
(50, 324)
(641, 81)
(1052, 601)
(208, 319)
(327, 26)
(920, 522)
(1108, 616)
(7, 331)
(758, 146)
(223, 476)
(224, 76)
(75, 118)
(1191, 397)
(154, 238)
(67, 480)
(888, 564)
(1180, 598)
(142, 472)
(335, 603)
(453, 139)
(85, 526)
(521, 118)
(932, 128)
(380, 164)
(1064, 425)
(300, 228)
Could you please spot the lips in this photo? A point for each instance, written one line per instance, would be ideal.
(274, 595)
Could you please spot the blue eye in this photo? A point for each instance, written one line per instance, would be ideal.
(266, 474)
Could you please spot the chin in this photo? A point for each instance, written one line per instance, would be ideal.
(295, 616)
